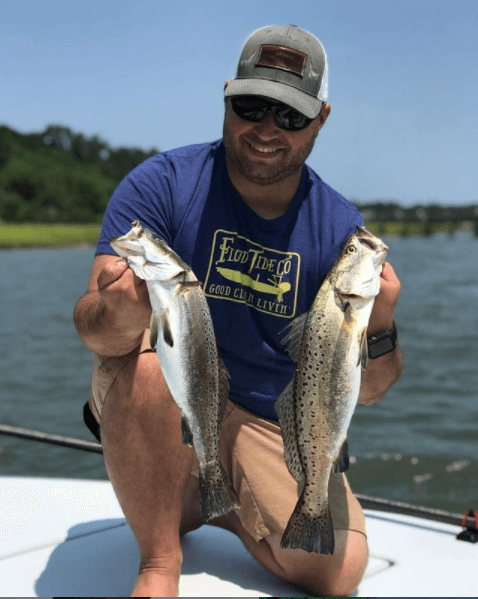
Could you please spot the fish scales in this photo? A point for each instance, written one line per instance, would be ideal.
(182, 333)
(315, 410)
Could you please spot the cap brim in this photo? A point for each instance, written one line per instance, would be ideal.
(304, 103)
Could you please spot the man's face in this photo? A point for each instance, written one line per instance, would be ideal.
(262, 152)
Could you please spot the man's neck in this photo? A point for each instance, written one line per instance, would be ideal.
(267, 201)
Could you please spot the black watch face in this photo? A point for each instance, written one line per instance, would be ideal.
(381, 347)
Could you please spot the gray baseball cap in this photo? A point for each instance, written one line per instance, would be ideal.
(284, 63)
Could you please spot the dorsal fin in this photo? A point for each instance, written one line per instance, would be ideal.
(294, 336)
(284, 407)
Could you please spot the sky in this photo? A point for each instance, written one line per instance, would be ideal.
(403, 82)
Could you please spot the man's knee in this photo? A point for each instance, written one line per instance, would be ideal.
(143, 367)
(332, 576)
(344, 580)
(140, 379)
(139, 397)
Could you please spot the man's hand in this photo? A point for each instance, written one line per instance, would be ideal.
(125, 295)
(382, 372)
(383, 310)
(113, 314)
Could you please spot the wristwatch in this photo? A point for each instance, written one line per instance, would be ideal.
(382, 343)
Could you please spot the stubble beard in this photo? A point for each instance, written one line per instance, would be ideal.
(265, 174)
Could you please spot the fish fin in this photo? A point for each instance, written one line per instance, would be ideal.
(342, 462)
(224, 373)
(363, 357)
(313, 533)
(166, 328)
(284, 407)
(216, 493)
(188, 285)
(294, 336)
(154, 332)
(224, 377)
(186, 431)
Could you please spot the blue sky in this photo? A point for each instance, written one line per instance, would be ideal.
(403, 81)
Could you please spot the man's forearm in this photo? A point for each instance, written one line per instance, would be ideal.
(379, 376)
(98, 330)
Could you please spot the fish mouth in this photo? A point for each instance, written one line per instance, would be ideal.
(371, 243)
(347, 297)
(129, 250)
(122, 245)
(374, 243)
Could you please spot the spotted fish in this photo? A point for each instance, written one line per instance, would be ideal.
(183, 335)
(329, 344)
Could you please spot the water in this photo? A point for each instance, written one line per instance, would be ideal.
(418, 445)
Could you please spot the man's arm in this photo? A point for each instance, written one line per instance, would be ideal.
(112, 315)
(382, 372)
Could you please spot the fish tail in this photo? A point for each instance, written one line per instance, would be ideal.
(216, 493)
(312, 532)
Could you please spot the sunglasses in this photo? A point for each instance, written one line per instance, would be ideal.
(255, 109)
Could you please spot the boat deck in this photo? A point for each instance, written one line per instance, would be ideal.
(66, 537)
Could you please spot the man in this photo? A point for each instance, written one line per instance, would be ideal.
(260, 230)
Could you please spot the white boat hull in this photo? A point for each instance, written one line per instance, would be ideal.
(67, 537)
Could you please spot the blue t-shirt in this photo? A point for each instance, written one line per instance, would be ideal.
(258, 275)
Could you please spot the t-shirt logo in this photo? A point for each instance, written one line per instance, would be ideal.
(246, 272)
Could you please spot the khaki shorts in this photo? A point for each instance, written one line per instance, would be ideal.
(251, 450)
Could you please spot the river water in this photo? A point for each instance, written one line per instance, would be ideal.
(418, 445)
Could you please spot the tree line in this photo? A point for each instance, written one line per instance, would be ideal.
(60, 176)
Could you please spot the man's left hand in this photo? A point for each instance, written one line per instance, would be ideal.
(382, 372)
(383, 310)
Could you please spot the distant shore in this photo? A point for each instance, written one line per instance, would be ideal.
(31, 235)
(13, 236)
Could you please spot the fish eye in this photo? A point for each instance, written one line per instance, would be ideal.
(351, 249)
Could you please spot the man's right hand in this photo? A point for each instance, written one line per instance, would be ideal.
(111, 317)
(124, 294)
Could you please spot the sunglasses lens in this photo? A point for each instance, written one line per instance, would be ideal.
(254, 109)
(289, 118)
(249, 108)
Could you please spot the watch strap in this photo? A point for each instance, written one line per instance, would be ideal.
(382, 343)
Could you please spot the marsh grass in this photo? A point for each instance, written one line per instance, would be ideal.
(405, 228)
(57, 235)
(43, 235)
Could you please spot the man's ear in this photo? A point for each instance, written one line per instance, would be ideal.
(324, 113)
(226, 84)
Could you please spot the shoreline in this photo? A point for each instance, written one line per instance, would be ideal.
(41, 235)
(66, 246)
(85, 236)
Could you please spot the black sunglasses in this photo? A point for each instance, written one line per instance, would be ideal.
(255, 109)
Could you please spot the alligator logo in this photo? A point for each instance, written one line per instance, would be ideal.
(241, 270)
(275, 287)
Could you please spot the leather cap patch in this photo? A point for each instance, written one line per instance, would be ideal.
(283, 58)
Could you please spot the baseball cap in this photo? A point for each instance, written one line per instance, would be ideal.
(284, 63)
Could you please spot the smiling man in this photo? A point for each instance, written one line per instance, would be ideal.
(265, 163)
(260, 229)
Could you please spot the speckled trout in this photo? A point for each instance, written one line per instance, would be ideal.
(329, 344)
(183, 335)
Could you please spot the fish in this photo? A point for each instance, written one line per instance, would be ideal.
(182, 334)
(329, 345)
